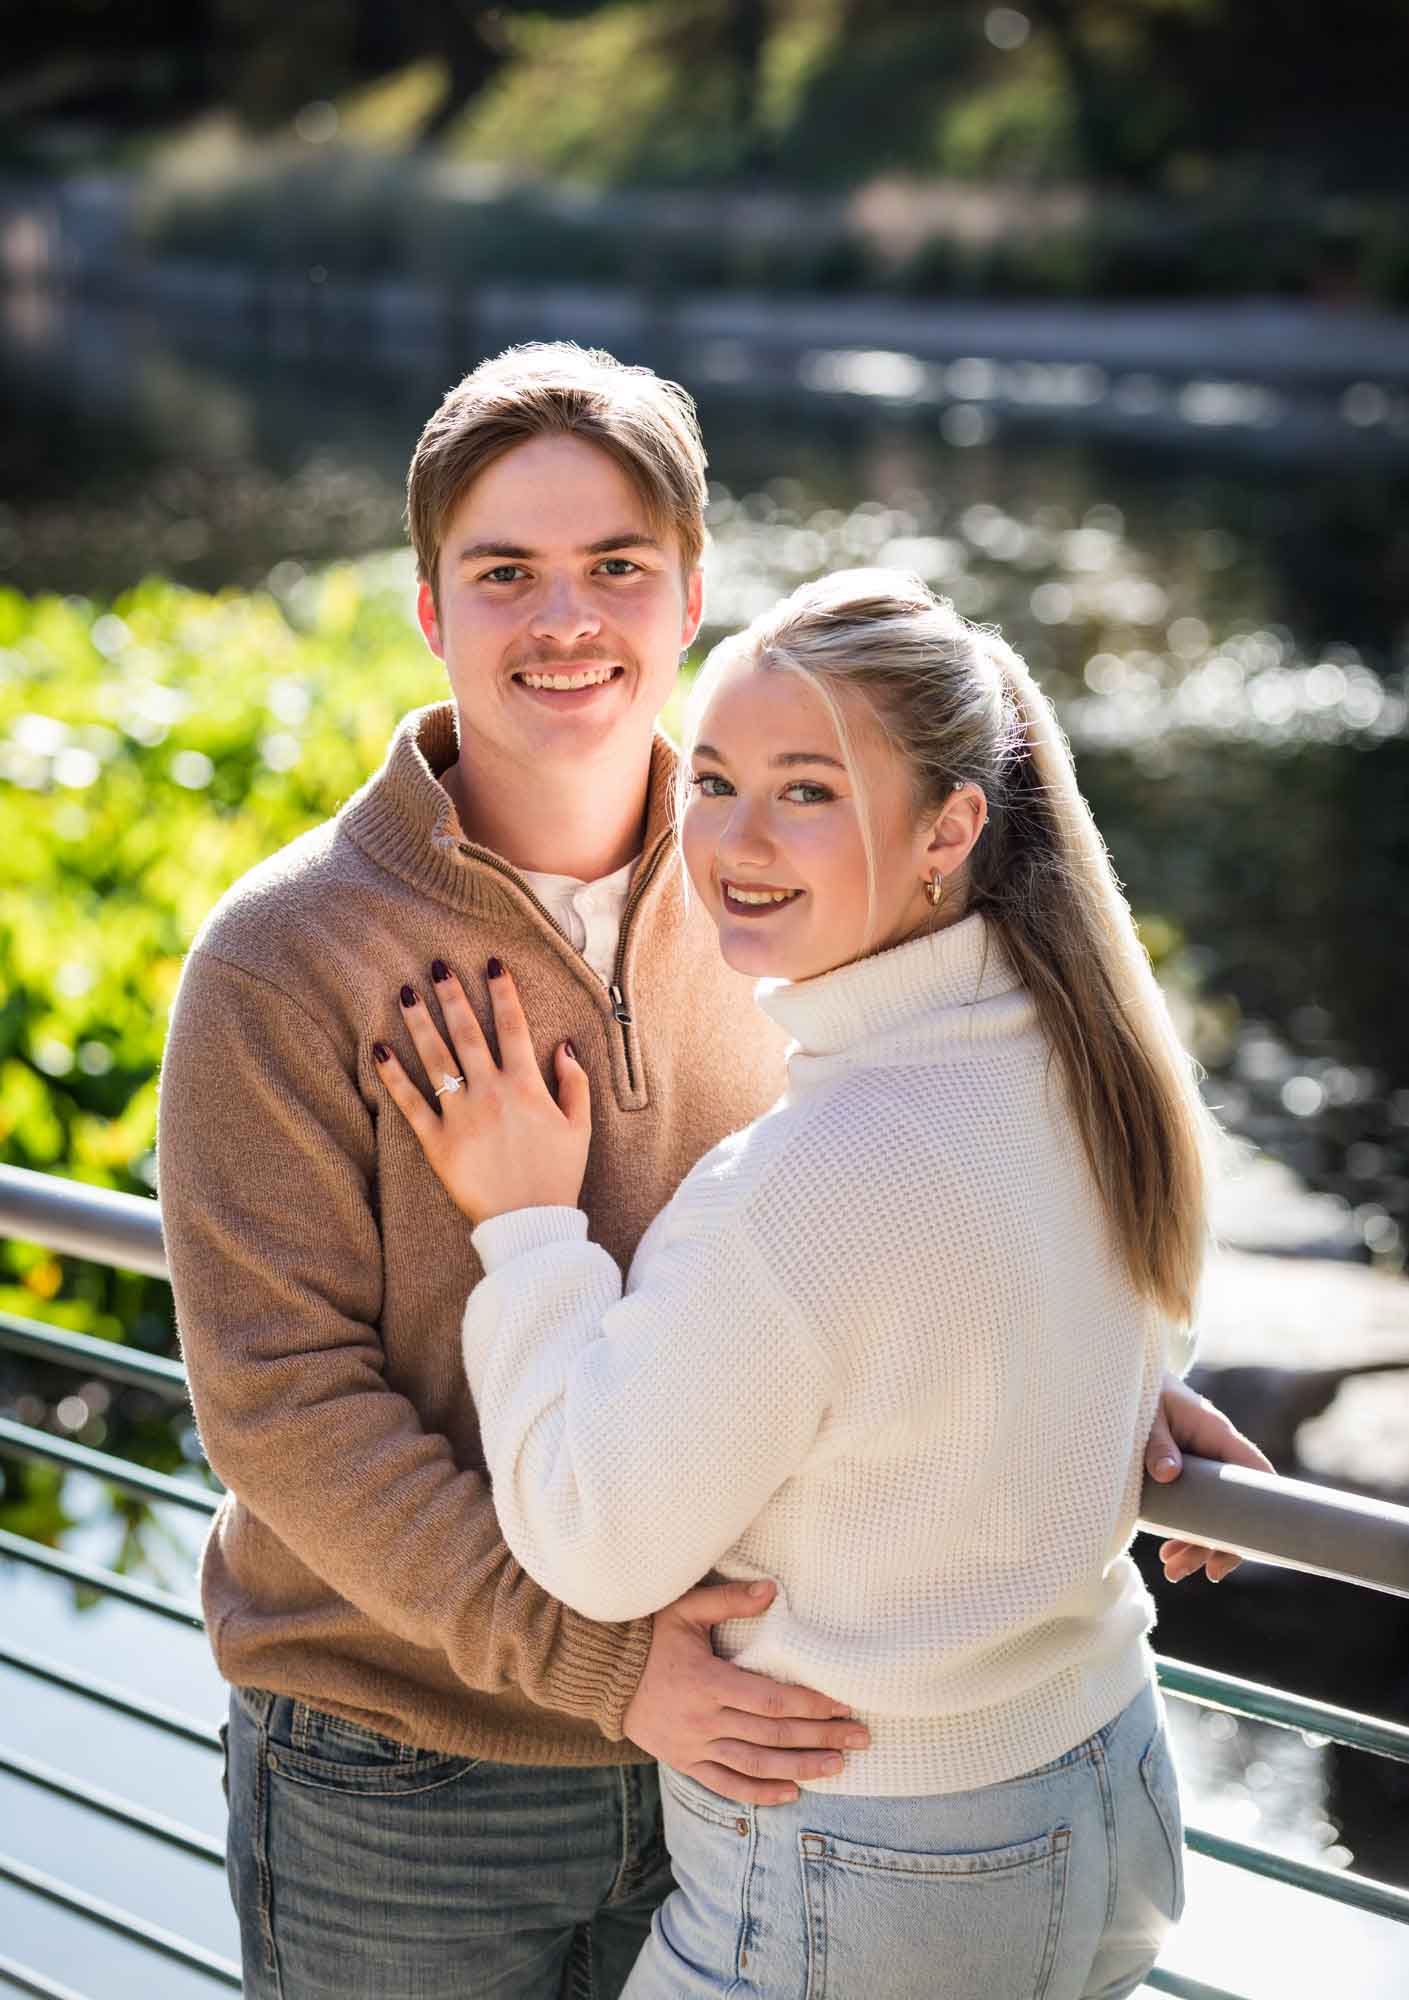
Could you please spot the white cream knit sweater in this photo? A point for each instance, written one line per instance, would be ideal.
(879, 1347)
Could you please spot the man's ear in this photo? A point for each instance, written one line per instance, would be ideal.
(428, 619)
(694, 609)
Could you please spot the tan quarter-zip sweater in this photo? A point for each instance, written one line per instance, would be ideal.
(320, 1270)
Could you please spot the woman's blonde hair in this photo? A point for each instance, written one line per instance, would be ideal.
(959, 704)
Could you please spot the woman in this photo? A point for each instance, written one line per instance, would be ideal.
(868, 1327)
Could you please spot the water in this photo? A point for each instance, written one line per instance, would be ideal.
(1217, 592)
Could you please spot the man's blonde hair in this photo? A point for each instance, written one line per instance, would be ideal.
(647, 424)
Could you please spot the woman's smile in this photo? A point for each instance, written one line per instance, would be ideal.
(756, 899)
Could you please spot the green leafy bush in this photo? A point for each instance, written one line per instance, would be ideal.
(150, 752)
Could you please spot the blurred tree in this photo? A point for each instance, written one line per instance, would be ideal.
(1162, 94)
(471, 41)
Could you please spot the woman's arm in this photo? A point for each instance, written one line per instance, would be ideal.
(631, 1440)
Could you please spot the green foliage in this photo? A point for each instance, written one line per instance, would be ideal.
(151, 752)
(620, 92)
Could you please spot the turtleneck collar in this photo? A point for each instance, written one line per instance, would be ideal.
(405, 821)
(945, 985)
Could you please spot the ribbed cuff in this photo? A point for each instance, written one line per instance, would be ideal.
(606, 1667)
(519, 1229)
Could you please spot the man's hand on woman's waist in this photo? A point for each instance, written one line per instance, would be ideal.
(743, 1735)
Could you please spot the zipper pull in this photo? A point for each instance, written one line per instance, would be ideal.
(620, 1011)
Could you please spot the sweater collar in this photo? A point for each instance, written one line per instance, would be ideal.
(958, 981)
(404, 820)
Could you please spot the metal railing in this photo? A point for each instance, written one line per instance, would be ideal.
(1288, 1522)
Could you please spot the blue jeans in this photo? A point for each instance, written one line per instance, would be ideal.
(1060, 1885)
(364, 1870)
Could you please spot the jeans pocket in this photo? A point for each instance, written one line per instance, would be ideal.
(1162, 1786)
(702, 1802)
(310, 1747)
(890, 1924)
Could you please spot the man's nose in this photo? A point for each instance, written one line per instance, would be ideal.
(564, 613)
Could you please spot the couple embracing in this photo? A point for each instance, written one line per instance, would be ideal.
(682, 1259)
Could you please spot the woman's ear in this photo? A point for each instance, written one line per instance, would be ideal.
(955, 828)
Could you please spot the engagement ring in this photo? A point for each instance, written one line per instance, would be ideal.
(452, 1084)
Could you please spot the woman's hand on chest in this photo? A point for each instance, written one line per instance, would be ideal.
(496, 1136)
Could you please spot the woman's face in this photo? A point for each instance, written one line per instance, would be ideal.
(772, 832)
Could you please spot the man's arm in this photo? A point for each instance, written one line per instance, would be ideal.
(266, 1158)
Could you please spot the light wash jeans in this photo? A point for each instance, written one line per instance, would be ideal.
(364, 1870)
(1060, 1885)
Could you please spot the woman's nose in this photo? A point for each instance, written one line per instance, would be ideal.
(747, 836)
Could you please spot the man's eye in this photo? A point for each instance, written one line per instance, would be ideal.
(502, 573)
(620, 566)
(704, 781)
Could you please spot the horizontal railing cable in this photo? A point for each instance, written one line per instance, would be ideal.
(25, 1980)
(1290, 1711)
(1352, 1537)
(22, 1441)
(194, 1956)
(145, 1596)
(1337, 1883)
(107, 1359)
(153, 1713)
(82, 1221)
(1185, 1988)
(201, 1845)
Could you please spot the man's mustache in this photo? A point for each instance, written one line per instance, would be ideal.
(540, 661)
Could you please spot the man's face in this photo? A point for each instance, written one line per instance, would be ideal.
(550, 573)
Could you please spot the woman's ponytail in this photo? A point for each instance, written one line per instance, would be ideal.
(1046, 881)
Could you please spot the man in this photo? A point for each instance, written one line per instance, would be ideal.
(440, 1778)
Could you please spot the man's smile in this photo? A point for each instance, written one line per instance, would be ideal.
(576, 683)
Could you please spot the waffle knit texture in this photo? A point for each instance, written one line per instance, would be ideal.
(880, 1347)
(320, 1269)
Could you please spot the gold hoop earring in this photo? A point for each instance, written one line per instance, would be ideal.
(934, 889)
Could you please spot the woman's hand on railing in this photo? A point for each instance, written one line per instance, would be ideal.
(1185, 1421)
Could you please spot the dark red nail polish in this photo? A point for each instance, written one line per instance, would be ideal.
(381, 1051)
(571, 1050)
(408, 996)
(495, 968)
(440, 971)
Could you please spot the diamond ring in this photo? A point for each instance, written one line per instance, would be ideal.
(451, 1084)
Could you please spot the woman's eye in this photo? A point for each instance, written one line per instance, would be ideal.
(705, 781)
(816, 795)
